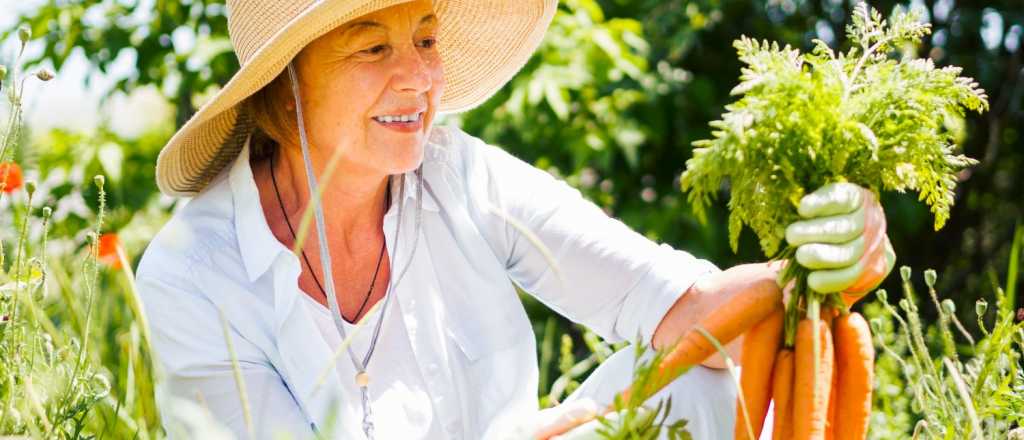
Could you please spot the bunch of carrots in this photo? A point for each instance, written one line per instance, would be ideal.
(821, 390)
(819, 380)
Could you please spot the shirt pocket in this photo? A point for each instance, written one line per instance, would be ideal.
(493, 359)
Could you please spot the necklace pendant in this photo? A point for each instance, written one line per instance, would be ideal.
(367, 413)
(368, 427)
(362, 379)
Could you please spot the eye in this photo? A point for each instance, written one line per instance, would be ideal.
(375, 50)
(428, 43)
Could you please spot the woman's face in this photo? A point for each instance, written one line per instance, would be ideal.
(372, 87)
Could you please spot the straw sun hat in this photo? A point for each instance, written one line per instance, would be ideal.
(482, 44)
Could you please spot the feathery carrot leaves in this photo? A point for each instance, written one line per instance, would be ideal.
(804, 120)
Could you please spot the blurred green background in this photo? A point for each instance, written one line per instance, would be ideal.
(611, 102)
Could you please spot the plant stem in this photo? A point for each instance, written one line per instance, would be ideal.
(961, 388)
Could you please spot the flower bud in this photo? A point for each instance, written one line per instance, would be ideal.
(905, 273)
(44, 75)
(929, 277)
(99, 180)
(101, 386)
(30, 186)
(904, 304)
(883, 296)
(24, 33)
(948, 307)
(980, 307)
(47, 211)
(876, 326)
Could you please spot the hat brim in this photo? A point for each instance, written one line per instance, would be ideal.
(482, 43)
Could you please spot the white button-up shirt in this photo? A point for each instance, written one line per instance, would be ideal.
(467, 345)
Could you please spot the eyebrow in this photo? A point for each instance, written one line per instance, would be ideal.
(430, 18)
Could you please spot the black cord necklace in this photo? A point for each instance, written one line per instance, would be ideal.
(280, 203)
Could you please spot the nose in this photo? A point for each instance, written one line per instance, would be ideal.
(412, 72)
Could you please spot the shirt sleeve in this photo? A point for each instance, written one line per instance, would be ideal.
(189, 344)
(567, 252)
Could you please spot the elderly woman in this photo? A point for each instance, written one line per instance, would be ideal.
(420, 231)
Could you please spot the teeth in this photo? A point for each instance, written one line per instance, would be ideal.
(399, 118)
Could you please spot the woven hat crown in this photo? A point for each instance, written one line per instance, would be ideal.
(251, 23)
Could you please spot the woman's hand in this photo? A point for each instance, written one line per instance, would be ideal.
(842, 240)
(704, 297)
(563, 422)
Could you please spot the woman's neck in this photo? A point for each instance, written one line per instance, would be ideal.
(353, 197)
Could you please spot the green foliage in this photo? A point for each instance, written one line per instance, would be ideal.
(65, 158)
(959, 388)
(806, 120)
(48, 386)
(74, 357)
(635, 421)
(576, 91)
(153, 33)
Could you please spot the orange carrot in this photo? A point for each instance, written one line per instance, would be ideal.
(855, 360)
(760, 346)
(726, 322)
(782, 393)
(833, 404)
(830, 423)
(811, 386)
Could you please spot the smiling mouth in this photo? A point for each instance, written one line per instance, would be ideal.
(392, 119)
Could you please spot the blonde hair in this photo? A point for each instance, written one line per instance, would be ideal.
(275, 122)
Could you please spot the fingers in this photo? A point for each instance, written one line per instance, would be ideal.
(877, 268)
(879, 257)
(835, 280)
(831, 199)
(591, 430)
(834, 229)
(568, 415)
(830, 256)
(842, 240)
(586, 431)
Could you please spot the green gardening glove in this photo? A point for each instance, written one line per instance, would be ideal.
(842, 240)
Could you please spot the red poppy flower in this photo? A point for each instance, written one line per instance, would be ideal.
(10, 177)
(108, 248)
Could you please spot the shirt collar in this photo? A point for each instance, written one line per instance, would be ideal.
(256, 242)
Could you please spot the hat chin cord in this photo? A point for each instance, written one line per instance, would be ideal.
(362, 379)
